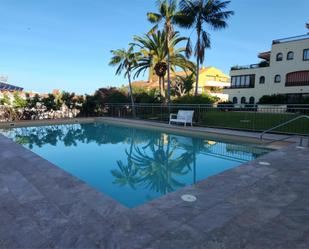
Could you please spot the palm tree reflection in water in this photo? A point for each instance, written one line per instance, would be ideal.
(156, 165)
(153, 161)
(127, 174)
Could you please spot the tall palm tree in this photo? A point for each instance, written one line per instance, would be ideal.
(153, 49)
(168, 15)
(126, 60)
(199, 14)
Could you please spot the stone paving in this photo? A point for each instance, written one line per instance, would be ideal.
(253, 206)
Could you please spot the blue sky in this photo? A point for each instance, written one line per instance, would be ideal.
(65, 44)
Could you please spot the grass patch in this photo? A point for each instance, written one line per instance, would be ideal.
(254, 121)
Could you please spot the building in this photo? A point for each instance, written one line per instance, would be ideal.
(6, 87)
(211, 80)
(283, 70)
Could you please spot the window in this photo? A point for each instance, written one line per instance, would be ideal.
(243, 100)
(306, 55)
(277, 78)
(290, 56)
(243, 81)
(262, 80)
(235, 100)
(251, 100)
(299, 78)
(238, 81)
(279, 57)
(233, 81)
(247, 80)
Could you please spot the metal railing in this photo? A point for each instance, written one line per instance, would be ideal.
(239, 116)
(251, 66)
(233, 116)
(283, 124)
(239, 87)
(290, 39)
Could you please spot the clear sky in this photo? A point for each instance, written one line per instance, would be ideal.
(65, 44)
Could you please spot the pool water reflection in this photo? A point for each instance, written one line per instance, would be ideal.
(132, 165)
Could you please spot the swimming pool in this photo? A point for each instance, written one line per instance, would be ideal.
(132, 165)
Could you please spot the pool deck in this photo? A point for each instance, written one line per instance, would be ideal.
(254, 206)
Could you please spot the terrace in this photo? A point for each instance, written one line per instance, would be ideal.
(44, 207)
(251, 66)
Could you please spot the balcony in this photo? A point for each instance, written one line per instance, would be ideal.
(265, 55)
(252, 66)
(239, 87)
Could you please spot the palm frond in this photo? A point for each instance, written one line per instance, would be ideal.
(188, 48)
(154, 17)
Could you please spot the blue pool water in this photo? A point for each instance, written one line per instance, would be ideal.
(132, 165)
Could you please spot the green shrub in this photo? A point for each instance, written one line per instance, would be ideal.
(144, 98)
(5, 100)
(199, 99)
(227, 102)
(50, 102)
(19, 102)
(274, 99)
(32, 102)
(111, 95)
(91, 106)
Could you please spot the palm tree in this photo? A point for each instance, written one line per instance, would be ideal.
(168, 15)
(184, 84)
(125, 60)
(201, 13)
(155, 55)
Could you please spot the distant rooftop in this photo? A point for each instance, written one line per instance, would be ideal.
(5, 86)
(291, 39)
(9, 87)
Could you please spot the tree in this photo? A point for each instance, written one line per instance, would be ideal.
(32, 102)
(154, 51)
(19, 102)
(169, 15)
(126, 60)
(68, 99)
(50, 102)
(91, 106)
(5, 100)
(183, 84)
(200, 13)
(110, 95)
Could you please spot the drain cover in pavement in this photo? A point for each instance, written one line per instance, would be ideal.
(188, 198)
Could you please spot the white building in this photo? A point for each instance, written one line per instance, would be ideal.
(283, 70)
